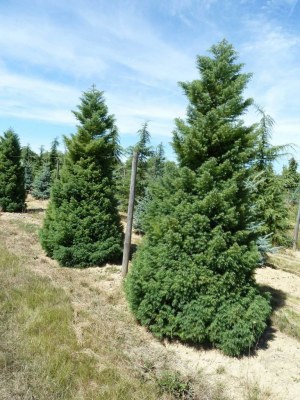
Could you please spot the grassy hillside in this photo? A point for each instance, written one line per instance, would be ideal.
(67, 334)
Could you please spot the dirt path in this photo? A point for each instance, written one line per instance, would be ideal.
(272, 373)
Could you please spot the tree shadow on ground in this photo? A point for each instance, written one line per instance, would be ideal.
(133, 249)
(278, 300)
(278, 297)
(35, 210)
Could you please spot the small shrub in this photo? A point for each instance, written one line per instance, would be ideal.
(174, 384)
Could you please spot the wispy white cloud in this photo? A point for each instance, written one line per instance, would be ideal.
(273, 53)
(36, 99)
(137, 52)
(120, 51)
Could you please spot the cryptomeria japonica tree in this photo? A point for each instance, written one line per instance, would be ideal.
(82, 225)
(193, 276)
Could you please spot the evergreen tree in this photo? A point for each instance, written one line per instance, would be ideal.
(270, 208)
(155, 170)
(193, 276)
(124, 171)
(291, 176)
(12, 190)
(30, 161)
(54, 155)
(156, 163)
(28, 176)
(82, 226)
(41, 157)
(42, 183)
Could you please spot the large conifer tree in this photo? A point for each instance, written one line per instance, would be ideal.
(12, 188)
(82, 226)
(193, 276)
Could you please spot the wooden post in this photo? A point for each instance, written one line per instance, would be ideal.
(127, 241)
(296, 230)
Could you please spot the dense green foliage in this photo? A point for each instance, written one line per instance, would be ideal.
(12, 189)
(42, 183)
(193, 276)
(123, 172)
(291, 176)
(29, 161)
(82, 226)
(155, 168)
(269, 198)
(54, 155)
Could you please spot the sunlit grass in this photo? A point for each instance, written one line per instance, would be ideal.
(40, 356)
(288, 321)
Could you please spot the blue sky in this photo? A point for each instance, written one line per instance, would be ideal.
(136, 52)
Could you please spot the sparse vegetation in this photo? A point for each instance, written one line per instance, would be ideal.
(288, 321)
(39, 353)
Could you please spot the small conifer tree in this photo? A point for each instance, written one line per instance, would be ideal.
(193, 276)
(29, 160)
(291, 176)
(270, 207)
(28, 176)
(42, 183)
(155, 169)
(12, 188)
(53, 155)
(82, 226)
(124, 171)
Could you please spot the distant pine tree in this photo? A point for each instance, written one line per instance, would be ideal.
(12, 188)
(270, 206)
(291, 176)
(123, 174)
(28, 176)
(54, 155)
(193, 276)
(42, 183)
(29, 160)
(82, 226)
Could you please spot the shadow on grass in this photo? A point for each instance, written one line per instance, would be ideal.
(278, 300)
(278, 297)
(35, 210)
(133, 249)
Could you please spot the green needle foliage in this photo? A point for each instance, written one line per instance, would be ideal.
(193, 276)
(271, 212)
(42, 183)
(291, 176)
(123, 174)
(54, 155)
(12, 188)
(82, 226)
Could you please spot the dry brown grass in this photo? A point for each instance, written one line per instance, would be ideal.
(68, 334)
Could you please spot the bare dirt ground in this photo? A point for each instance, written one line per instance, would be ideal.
(272, 372)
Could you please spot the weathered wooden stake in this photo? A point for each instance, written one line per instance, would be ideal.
(127, 241)
(296, 230)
